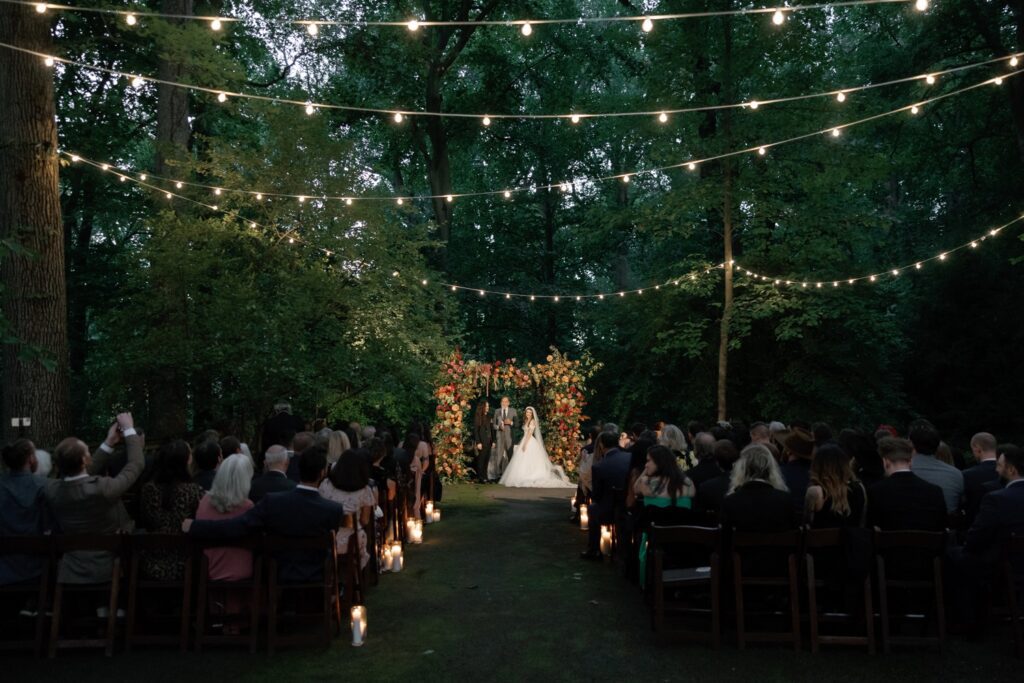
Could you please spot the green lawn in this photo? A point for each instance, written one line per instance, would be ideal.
(497, 592)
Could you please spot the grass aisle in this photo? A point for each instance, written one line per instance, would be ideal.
(497, 592)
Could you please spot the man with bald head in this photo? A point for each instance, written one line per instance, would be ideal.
(274, 477)
(976, 479)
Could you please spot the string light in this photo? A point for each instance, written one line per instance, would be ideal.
(921, 5)
(215, 24)
(1014, 61)
(915, 109)
(526, 30)
(692, 166)
(398, 117)
(137, 82)
(841, 96)
(507, 194)
(997, 80)
(778, 17)
(762, 150)
(142, 176)
(130, 20)
(222, 97)
(754, 104)
(647, 25)
(487, 120)
(835, 132)
(178, 185)
(48, 61)
(625, 179)
(414, 25)
(310, 109)
(662, 117)
(41, 7)
(312, 29)
(575, 118)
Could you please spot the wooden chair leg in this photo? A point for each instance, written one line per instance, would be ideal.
(659, 592)
(186, 608)
(812, 604)
(201, 599)
(869, 616)
(58, 606)
(254, 606)
(1014, 605)
(883, 606)
(794, 602)
(40, 636)
(716, 605)
(272, 597)
(133, 588)
(737, 574)
(940, 606)
(115, 590)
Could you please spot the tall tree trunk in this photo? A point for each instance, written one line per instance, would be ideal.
(549, 262)
(727, 181)
(438, 166)
(168, 396)
(35, 366)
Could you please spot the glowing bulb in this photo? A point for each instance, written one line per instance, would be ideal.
(301, 199)
(942, 257)
(312, 29)
(526, 29)
(507, 194)
(487, 120)
(973, 245)
(291, 240)
(453, 288)
(579, 298)
(835, 284)
(625, 179)
(177, 185)
(648, 25)
(222, 97)
(575, 118)
(137, 82)
(414, 25)
(566, 187)
(1014, 61)
(48, 61)
(914, 109)
(217, 191)
(122, 178)
(663, 117)
(400, 201)
(692, 166)
(75, 158)
(872, 278)
(621, 294)
(508, 296)
(818, 285)
(310, 109)
(895, 272)
(41, 7)
(449, 199)
(105, 167)
(168, 195)
(398, 117)
(917, 266)
(754, 104)
(259, 197)
(762, 150)
(533, 298)
(998, 80)
(841, 97)
(778, 17)
(930, 79)
(424, 283)
(215, 24)
(130, 20)
(348, 201)
(394, 274)
(803, 284)
(921, 5)
(835, 132)
(142, 176)
(601, 297)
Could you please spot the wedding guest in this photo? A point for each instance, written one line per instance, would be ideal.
(229, 445)
(354, 431)
(337, 443)
(166, 500)
(281, 427)
(822, 433)
(300, 442)
(609, 480)
(273, 479)
(368, 432)
(712, 492)
(207, 457)
(229, 498)
(419, 466)
(835, 498)
(638, 460)
(704, 451)
(983, 447)
(665, 493)
(382, 465)
(86, 504)
(1001, 513)
(23, 509)
(673, 439)
(861, 447)
(759, 433)
(903, 501)
(797, 454)
(348, 485)
(301, 512)
(758, 499)
(925, 438)
(483, 439)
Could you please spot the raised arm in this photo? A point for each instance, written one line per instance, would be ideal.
(115, 487)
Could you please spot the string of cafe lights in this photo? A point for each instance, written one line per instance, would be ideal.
(795, 284)
(312, 26)
(397, 115)
(761, 150)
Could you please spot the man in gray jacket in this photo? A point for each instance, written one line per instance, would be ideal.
(83, 503)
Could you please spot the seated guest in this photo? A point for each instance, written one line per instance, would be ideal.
(229, 445)
(861, 447)
(797, 455)
(822, 433)
(983, 446)
(704, 451)
(273, 479)
(165, 501)
(758, 499)
(711, 493)
(208, 457)
(903, 501)
(382, 467)
(301, 512)
(834, 497)
(86, 504)
(300, 443)
(638, 460)
(673, 439)
(665, 493)
(759, 433)
(609, 477)
(337, 443)
(228, 498)
(1001, 513)
(348, 484)
(22, 509)
(925, 439)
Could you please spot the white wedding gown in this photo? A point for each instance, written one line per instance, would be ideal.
(532, 468)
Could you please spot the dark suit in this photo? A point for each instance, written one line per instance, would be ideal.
(609, 478)
(758, 506)
(905, 502)
(483, 434)
(1001, 513)
(270, 481)
(975, 480)
(296, 513)
(204, 478)
(279, 427)
(22, 513)
(797, 474)
(706, 470)
(711, 493)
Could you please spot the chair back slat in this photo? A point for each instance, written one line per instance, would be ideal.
(67, 543)
(27, 545)
(685, 535)
(822, 538)
(933, 542)
(775, 539)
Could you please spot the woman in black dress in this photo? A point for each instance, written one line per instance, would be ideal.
(483, 438)
(835, 498)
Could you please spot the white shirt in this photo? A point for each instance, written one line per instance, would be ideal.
(308, 488)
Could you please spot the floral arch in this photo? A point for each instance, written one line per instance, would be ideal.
(558, 385)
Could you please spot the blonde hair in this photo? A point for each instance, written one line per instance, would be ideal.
(756, 463)
(337, 444)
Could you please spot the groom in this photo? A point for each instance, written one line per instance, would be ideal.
(505, 420)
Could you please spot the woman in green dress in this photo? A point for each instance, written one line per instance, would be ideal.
(667, 495)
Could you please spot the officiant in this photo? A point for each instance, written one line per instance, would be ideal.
(506, 419)
(483, 439)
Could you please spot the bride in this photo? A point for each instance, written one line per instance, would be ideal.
(530, 466)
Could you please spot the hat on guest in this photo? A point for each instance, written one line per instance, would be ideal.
(800, 443)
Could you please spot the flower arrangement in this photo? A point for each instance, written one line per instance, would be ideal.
(560, 384)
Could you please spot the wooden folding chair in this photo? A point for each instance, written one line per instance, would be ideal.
(661, 541)
(327, 585)
(785, 543)
(39, 550)
(113, 544)
(827, 544)
(139, 545)
(1013, 559)
(926, 547)
(207, 587)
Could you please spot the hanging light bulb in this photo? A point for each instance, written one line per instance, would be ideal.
(942, 257)
(487, 120)
(177, 185)
(75, 158)
(130, 19)
(48, 61)
(778, 17)
(692, 166)
(301, 199)
(312, 29)
(762, 150)
(259, 196)
(533, 298)
(348, 201)
(921, 5)
(413, 25)
(400, 201)
(974, 245)
(648, 25)
(105, 167)
(215, 24)
(998, 80)
(41, 7)
(143, 176)
(423, 282)
(122, 178)
(526, 29)
(872, 278)
(1014, 61)
(930, 79)
(840, 97)
(663, 117)
(222, 97)
(508, 296)
(449, 199)
(625, 179)
(310, 109)
(914, 109)
(398, 117)
(895, 272)
(167, 194)
(835, 132)
(575, 118)
(137, 81)
(917, 266)
(507, 194)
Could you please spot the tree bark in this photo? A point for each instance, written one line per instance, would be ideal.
(35, 365)
(727, 181)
